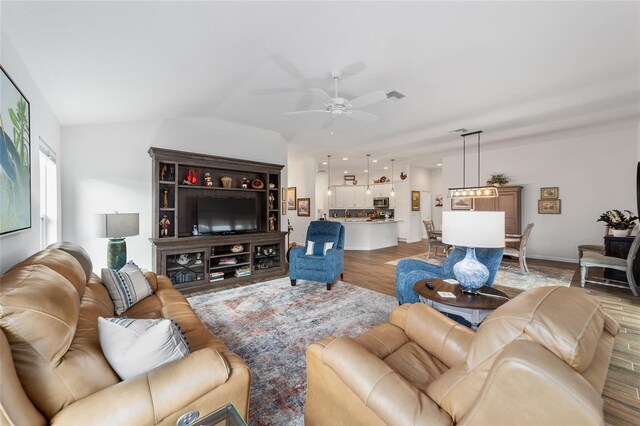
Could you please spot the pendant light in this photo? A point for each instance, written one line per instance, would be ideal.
(329, 175)
(368, 180)
(477, 191)
(393, 189)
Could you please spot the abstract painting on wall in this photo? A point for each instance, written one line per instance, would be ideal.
(15, 158)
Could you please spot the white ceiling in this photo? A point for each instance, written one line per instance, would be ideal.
(519, 71)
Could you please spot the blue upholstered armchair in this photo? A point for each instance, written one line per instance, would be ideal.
(318, 266)
(410, 271)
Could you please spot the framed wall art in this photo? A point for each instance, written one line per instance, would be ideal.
(415, 201)
(439, 199)
(549, 193)
(15, 157)
(304, 206)
(461, 203)
(548, 206)
(291, 198)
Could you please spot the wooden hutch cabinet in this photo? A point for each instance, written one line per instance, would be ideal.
(509, 201)
(199, 262)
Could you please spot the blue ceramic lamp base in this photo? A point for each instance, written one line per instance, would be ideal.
(470, 273)
(116, 253)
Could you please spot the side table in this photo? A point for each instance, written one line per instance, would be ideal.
(472, 307)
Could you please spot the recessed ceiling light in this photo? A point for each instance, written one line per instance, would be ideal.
(324, 163)
(346, 171)
(439, 164)
(344, 158)
(385, 168)
(366, 171)
(331, 133)
(374, 161)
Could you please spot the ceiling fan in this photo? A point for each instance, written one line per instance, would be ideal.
(336, 105)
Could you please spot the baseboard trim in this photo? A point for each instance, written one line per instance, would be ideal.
(554, 258)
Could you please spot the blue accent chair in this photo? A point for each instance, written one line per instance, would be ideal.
(410, 271)
(319, 268)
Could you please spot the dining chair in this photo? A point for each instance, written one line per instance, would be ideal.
(593, 259)
(433, 240)
(521, 251)
(599, 248)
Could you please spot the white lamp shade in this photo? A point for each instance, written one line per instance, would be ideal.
(473, 229)
(118, 225)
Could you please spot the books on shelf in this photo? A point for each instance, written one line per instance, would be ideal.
(216, 276)
(224, 261)
(243, 271)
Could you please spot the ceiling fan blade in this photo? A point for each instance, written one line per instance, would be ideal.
(368, 99)
(363, 116)
(274, 91)
(288, 67)
(328, 122)
(304, 103)
(323, 94)
(305, 112)
(353, 69)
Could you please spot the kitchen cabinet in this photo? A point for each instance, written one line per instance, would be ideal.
(339, 197)
(354, 197)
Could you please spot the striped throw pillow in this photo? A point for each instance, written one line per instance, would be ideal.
(126, 287)
(135, 346)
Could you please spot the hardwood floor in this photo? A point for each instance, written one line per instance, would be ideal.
(622, 388)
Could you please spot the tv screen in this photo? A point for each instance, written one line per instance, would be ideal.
(226, 214)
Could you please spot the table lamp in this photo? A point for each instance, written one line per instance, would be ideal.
(471, 230)
(116, 226)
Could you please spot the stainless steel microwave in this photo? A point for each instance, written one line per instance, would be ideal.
(381, 202)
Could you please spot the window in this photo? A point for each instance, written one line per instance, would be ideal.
(48, 196)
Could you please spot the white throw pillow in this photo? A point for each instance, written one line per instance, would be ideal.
(135, 346)
(311, 248)
(126, 287)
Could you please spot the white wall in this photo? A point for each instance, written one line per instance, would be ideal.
(594, 173)
(302, 175)
(107, 168)
(419, 180)
(44, 124)
(437, 189)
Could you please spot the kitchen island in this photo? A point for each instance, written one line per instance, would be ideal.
(361, 234)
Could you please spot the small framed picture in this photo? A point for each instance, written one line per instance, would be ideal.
(549, 193)
(291, 198)
(548, 206)
(461, 203)
(439, 200)
(284, 208)
(304, 206)
(415, 201)
(349, 177)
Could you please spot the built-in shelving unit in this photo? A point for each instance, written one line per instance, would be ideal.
(198, 262)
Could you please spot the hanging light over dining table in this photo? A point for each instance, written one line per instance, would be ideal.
(473, 191)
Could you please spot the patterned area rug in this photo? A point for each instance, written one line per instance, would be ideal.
(271, 324)
(510, 275)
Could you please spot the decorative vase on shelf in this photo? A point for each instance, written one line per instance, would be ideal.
(226, 181)
(470, 273)
(619, 232)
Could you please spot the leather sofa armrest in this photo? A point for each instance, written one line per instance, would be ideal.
(379, 387)
(436, 333)
(154, 395)
(538, 388)
(153, 280)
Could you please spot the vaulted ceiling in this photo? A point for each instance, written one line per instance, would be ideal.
(518, 71)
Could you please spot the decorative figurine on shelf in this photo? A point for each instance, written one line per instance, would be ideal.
(163, 172)
(192, 177)
(271, 200)
(257, 184)
(207, 179)
(272, 223)
(403, 175)
(198, 259)
(195, 230)
(170, 175)
(165, 198)
(164, 226)
(272, 185)
(244, 182)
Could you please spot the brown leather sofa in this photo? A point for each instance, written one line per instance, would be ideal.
(541, 358)
(52, 368)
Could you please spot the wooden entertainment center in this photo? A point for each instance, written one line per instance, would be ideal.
(199, 262)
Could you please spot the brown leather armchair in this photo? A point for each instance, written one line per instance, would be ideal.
(542, 358)
(52, 368)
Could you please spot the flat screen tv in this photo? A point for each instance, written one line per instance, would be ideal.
(222, 215)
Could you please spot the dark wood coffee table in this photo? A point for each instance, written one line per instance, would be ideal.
(472, 307)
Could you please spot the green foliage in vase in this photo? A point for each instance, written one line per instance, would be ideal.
(616, 219)
(497, 180)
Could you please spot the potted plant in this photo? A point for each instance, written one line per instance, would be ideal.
(497, 180)
(618, 221)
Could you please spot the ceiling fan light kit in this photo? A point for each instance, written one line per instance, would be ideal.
(476, 191)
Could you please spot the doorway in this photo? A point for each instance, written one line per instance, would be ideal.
(48, 197)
